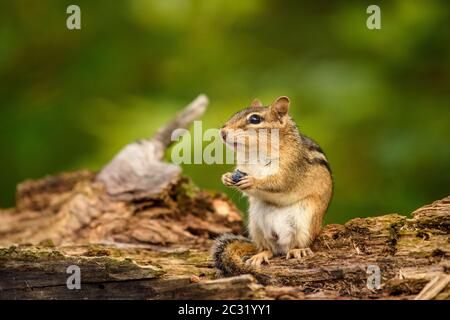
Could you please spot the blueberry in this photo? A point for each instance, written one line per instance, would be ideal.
(237, 176)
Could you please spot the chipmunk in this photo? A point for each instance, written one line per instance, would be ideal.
(287, 201)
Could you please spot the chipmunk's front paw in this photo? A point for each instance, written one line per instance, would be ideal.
(227, 179)
(245, 183)
(259, 258)
(299, 253)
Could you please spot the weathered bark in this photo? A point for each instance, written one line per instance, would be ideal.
(117, 272)
(136, 198)
(140, 230)
(412, 254)
(409, 252)
(137, 208)
(138, 170)
(74, 209)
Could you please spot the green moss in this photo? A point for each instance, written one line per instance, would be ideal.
(123, 267)
(99, 256)
(187, 188)
(47, 243)
(6, 252)
(359, 225)
(97, 251)
(29, 254)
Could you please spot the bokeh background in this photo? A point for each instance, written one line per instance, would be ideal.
(376, 100)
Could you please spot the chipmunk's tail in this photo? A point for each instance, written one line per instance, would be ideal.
(230, 252)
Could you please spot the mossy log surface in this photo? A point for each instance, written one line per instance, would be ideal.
(159, 248)
(151, 248)
(73, 208)
(409, 252)
(140, 230)
(116, 272)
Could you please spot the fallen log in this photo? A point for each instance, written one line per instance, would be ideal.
(135, 198)
(412, 255)
(116, 272)
(139, 229)
(407, 252)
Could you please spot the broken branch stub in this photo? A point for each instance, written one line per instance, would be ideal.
(136, 198)
(138, 170)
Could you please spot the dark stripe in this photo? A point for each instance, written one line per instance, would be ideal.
(319, 161)
(311, 144)
(315, 148)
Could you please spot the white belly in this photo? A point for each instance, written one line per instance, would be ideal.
(279, 228)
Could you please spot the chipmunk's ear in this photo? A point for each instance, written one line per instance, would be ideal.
(281, 105)
(256, 103)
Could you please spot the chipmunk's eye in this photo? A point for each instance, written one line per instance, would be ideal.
(254, 119)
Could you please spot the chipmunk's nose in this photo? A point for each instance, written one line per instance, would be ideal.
(223, 133)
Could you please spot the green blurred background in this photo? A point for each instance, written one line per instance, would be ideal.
(376, 100)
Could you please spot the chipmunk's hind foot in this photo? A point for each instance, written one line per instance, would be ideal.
(299, 253)
(259, 258)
